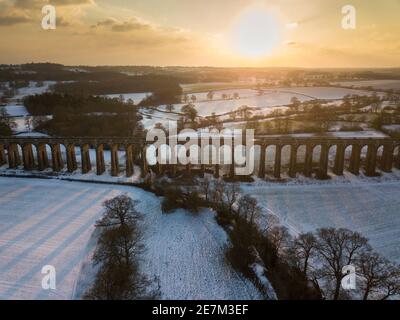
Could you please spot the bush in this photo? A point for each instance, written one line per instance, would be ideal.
(224, 218)
(193, 201)
(175, 198)
(172, 199)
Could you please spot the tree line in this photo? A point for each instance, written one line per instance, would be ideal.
(302, 266)
(78, 115)
(117, 254)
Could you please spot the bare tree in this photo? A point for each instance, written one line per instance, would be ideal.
(271, 221)
(279, 237)
(249, 209)
(185, 98)
(6, 120)
(119, 211)
(304, 246)
(190, 112)
(119, 245)
(218, 192)
(117, 251)
(338, 248)
(295, 104)
(392, 283)
(375, 271)
(231, 192)
(206, 187)
(169, 107)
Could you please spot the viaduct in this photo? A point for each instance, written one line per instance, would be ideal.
(21, 151)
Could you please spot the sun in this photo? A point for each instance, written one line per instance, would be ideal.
(256, 33)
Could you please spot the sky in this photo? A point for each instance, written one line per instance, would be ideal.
(224, 33)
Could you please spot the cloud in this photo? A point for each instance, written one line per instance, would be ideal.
(33, 4)
(9, 19)
(292, 25)
(129, 26)
(132, 24)
(62, 22)
(71, 2)
(13, 12)
(105, 23)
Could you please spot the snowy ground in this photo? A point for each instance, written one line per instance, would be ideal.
(50, 222)
(14, 110)
(392, 127)
(378, 84)
(371, 207)
(33, 89)
(269, 100)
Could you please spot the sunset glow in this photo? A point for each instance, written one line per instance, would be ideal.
(256, 34)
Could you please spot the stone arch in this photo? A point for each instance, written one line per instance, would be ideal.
(270, 152)
(308, 159)
(28, 156)
(323, 161)
(397, 156)
(379, 157)
(370, 161)
(386, 156)
(14, 152)
(292, 172)
(363, 155)
(348, 150)
(114, 152)
(262, 160)
(43, 150)
(84, 157)
(286, 151)
(100, 162)
(278, 161)
(316, 154)
(3, 159)
(129, 159)
(336, 158)
(70, 156)
(332, 152)
(56, 157)
(300, 158)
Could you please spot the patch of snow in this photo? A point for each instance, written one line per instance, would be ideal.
(370, 206)
(51, 222)
(15, 110)
(392, 127)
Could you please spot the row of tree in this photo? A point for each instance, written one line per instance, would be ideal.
(77, 115)
(7, 125)
(117, 253)
(305, 266)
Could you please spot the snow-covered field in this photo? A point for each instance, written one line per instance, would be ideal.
(15, 110)
(32, 89)
(269, 100)
(378, 84)
(392, 127)
(372, 208)
(50, 222)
